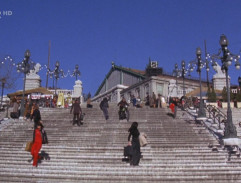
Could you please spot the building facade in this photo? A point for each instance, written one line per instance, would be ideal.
(124, 82)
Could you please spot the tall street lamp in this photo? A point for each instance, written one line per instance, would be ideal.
(227, 58)
(57, 72)
(25, 66)
(207, 63)
(184, 71)
(51, 75)
(207, 70)
(176, 72)
(199, 63)
(3, 81)
(181, 72)
(76, 72)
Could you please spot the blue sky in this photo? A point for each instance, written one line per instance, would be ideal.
(93, 33)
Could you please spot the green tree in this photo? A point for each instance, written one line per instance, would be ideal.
(208, 95)
(238, 96)
(213, 97)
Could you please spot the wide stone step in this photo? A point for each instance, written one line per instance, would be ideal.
(128, 176)
(177, 151)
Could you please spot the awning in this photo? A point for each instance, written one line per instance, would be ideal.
(42, 91)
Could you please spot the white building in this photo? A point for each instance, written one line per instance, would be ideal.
(122, 82)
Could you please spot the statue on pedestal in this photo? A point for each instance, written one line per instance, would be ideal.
(172, 88)
(33, 79)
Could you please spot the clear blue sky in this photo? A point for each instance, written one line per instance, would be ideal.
(92, 33)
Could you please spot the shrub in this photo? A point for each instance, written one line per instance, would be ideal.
(238, 97)
(211, 95)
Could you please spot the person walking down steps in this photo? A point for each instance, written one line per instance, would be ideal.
(104, 107)
(36, 115)
(77, 111)
(37, 144)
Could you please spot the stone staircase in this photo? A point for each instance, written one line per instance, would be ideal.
(178, 150)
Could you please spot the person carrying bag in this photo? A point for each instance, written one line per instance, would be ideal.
(135, 144)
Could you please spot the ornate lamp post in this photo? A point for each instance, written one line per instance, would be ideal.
(227, 58)
(183, 77)
(181, 72)
(57, 72)
(51, 75)
(176, 72)
(25, 68)
(207, 70)
(3, 81)
(200, 63)
(76, 72)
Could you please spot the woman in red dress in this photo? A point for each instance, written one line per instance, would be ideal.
(37, 144)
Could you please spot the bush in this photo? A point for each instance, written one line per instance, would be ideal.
(225, 95)
(211, 95)
(238, 97)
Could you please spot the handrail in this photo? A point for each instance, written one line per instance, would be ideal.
(216, 114)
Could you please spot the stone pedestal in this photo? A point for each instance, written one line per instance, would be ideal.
(78, 90)
(219, 79)
(32, 82)
(33, 79)
(232, 142)
(219, 82)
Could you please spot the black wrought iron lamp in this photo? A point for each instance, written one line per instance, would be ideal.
(57, 73)
(227, 58)
(200, 64)
(76, 72)
(24, 67)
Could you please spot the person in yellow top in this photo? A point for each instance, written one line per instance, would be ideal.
(60, 102)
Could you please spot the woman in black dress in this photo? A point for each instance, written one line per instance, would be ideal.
(136, 153)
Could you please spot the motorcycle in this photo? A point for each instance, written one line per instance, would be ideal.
(124, 113)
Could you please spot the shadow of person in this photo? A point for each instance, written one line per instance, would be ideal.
(171, 115)
(44, 156)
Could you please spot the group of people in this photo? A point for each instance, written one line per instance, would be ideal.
(133, 137)
(30, 109)
(32, 112)
(123, 111)
(155, 102)
(39, 134)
